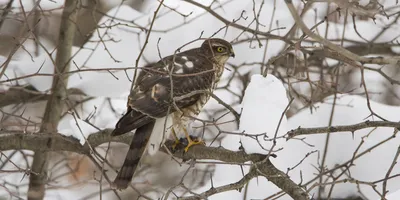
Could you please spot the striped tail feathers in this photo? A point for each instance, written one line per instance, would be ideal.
(136, 149)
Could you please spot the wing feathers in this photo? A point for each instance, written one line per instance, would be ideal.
(152, 94)
(130, 121)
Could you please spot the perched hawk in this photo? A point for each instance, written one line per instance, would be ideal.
(164, 100)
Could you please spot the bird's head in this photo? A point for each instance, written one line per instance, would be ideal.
(220, 50)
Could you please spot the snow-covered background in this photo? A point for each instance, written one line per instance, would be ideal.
(293, 94)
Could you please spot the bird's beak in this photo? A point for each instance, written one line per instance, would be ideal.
(232, 53)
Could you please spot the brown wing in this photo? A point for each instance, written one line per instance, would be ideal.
(151, 97)
(190, 72)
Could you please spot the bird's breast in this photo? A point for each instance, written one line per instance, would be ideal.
(186, 115)
(195, 109)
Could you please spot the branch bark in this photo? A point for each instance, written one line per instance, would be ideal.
(261, 167)
(55, 104)
(45, 142)
(16, 95)
(395, 60)
(238, 26)
(28, 94)
(346, 128)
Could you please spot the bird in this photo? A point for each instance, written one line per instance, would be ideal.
(166, 97)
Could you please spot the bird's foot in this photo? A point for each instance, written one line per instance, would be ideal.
(176, 143)
(193, 141)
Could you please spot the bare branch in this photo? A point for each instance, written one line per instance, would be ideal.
(340, 50)
(348, 128)
(56, 142)
(55, 103)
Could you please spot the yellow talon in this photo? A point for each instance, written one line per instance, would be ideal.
(194, 142)
(175, 145)
(191, 142)
(177, 142)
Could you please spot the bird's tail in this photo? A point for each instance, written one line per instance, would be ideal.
(132, 159)
(130, 121)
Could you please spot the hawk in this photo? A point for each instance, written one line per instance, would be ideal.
(166, 97)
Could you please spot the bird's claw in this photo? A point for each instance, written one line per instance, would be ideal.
(194, 141)
(176, 143)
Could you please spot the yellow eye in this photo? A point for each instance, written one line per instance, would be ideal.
(220, 49)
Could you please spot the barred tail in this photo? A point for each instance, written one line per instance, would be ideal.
(132, 159)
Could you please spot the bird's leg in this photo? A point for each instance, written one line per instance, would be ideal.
(191, 142)
(176, 139)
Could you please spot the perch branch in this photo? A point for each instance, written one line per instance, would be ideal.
(45, 142)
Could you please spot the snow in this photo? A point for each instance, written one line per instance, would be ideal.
(24, 64)
(156, 139)
(263, 104)
(349, 110)
(256, 105)
(79, 130)
(392, 196)
(29, 5)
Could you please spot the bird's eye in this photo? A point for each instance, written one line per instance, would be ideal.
(220, 49)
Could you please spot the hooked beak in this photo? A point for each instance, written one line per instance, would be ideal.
(232, 53)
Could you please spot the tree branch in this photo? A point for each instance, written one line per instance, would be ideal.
(55, 104)
(28, 94)
(45, 142)
(261, 167)
(347, 128)
(18, 94)
(238, 26)
(233, 186)
(339, 50)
